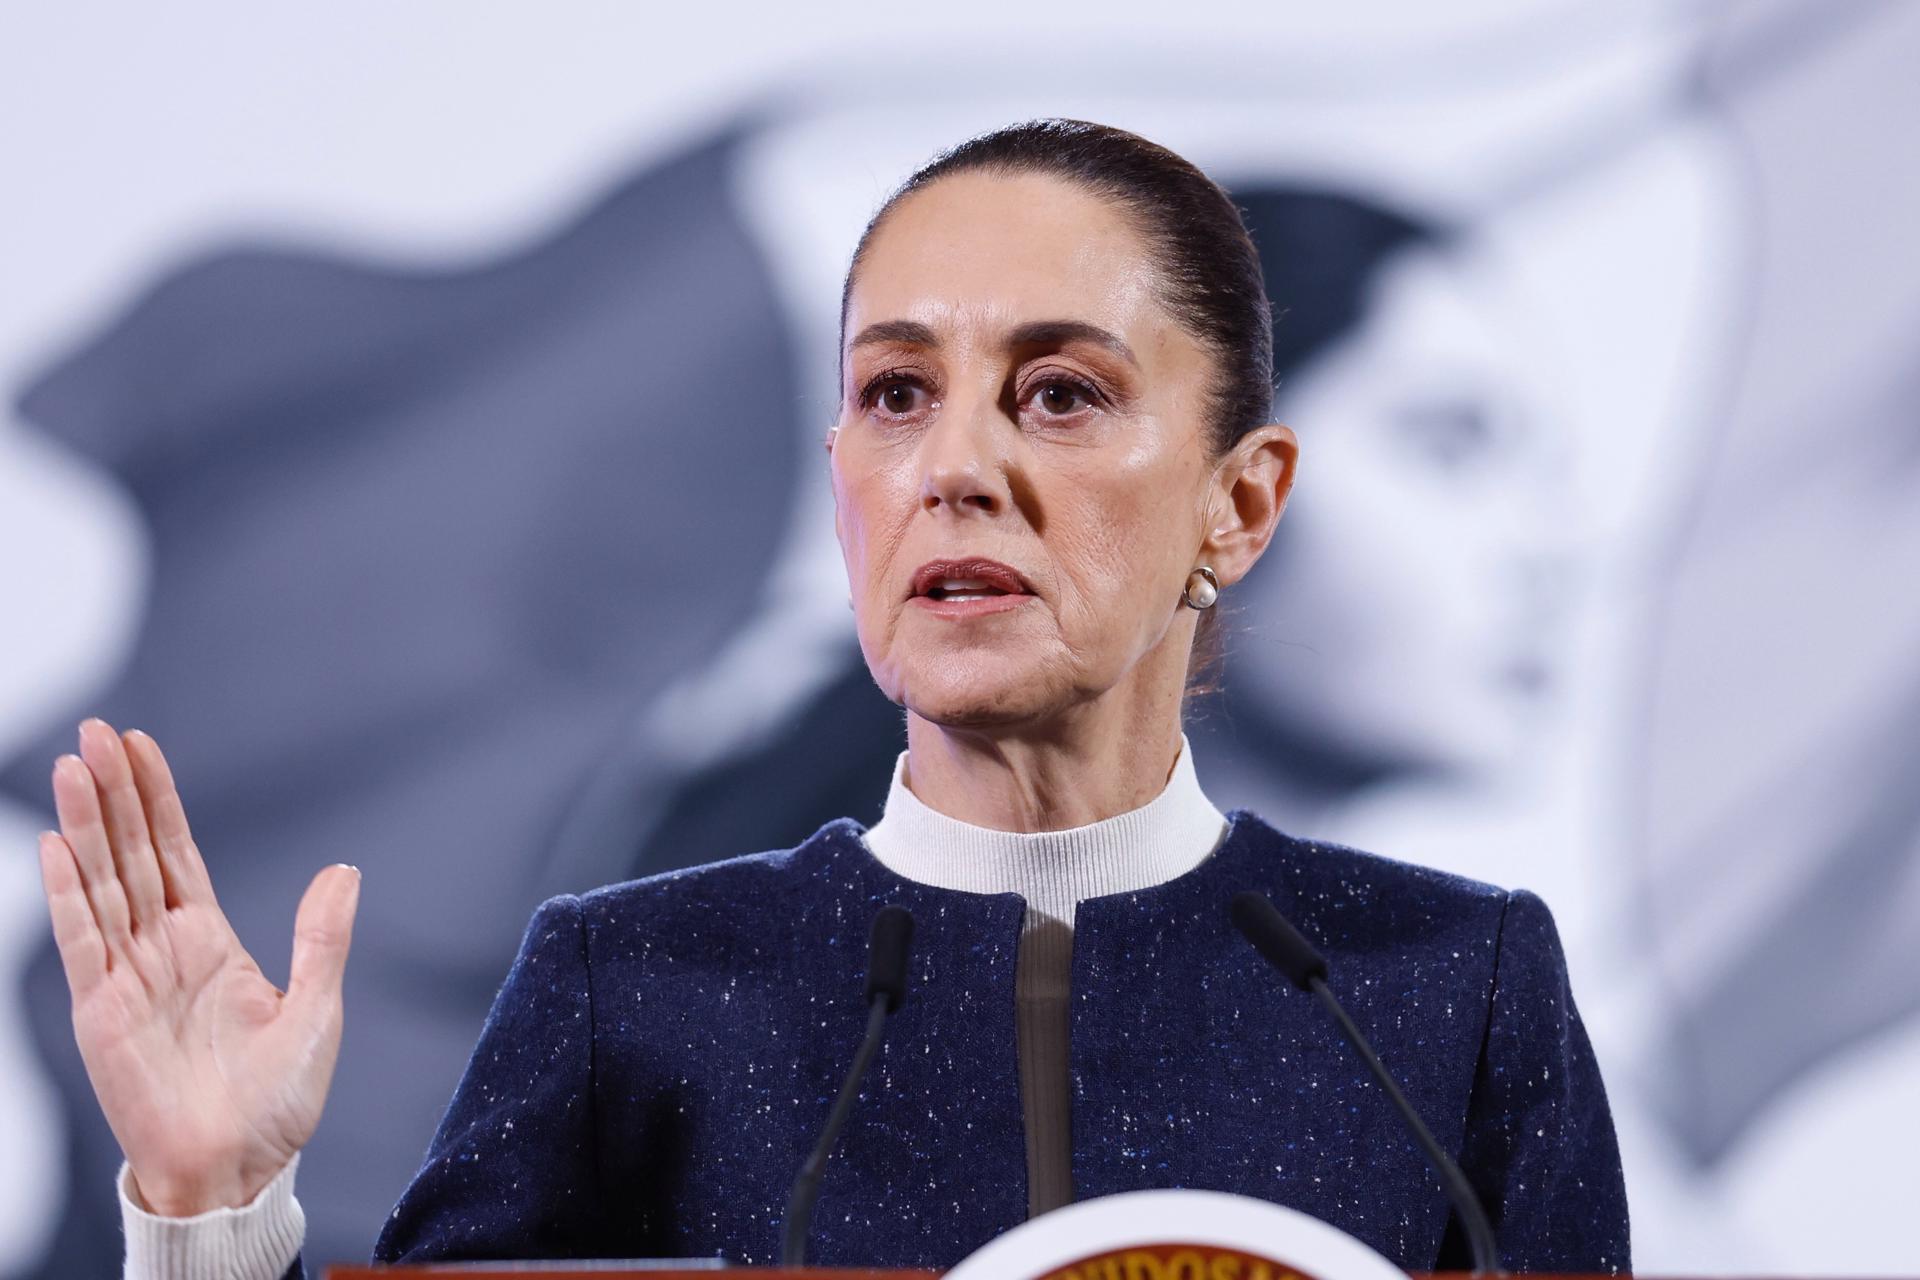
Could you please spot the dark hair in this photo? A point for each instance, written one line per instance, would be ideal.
(1209, 271)
(1320, 253)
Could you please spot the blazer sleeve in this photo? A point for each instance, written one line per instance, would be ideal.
(512, 1171)
(1539, 1145)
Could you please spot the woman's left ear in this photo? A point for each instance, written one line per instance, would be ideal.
(1250, 490)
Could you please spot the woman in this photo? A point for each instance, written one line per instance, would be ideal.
(1400, 628)
(1398, 638)
(1051, 458)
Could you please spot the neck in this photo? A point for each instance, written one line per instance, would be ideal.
(1083, 768)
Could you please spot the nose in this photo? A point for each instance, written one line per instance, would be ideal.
(962, 469)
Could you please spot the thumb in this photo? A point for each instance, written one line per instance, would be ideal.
(322, 931)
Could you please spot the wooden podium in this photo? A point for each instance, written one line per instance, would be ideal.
(540, 1271)
(587, 1271)
(536, 1271)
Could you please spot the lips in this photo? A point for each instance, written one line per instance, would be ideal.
(970, 579)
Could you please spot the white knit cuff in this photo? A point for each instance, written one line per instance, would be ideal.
(258, 1241)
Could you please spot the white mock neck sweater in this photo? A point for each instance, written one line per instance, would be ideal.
(1053, 870)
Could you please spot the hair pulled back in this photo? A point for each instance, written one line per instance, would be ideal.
(1208, 270)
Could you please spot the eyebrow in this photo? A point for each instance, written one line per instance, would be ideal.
(1050, 333)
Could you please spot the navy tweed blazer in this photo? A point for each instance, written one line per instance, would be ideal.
(662, 1054)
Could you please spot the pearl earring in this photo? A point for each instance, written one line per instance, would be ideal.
(1203, 588)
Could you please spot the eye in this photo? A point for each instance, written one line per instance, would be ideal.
(897, 393)
(1450, 434)
(1062, 396)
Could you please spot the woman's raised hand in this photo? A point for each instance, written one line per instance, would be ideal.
(210, 1076)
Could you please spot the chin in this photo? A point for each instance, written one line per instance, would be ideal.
(979, 691)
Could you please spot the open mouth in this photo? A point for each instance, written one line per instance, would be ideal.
(958, 581)
(964, 589)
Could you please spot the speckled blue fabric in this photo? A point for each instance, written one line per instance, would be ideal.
(663, 1052)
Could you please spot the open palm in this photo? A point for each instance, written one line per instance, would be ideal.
(210, 1076)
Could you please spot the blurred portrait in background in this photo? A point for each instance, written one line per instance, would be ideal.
(1596, 580)
(1406, 621)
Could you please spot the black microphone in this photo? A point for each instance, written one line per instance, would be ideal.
(886, 988)
(1262, 924)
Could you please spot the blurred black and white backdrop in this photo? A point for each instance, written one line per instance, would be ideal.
(412, 420)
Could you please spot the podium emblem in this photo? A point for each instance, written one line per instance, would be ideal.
(1176, 1235)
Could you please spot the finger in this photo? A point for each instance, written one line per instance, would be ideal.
(77, 802)
(322, 932)
(126, 821)
(181, 868)
(83, 954)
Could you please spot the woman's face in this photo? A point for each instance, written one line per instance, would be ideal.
(1404, 619)
(1019, 472)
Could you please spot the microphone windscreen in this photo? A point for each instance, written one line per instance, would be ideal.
(887, 956)
(1255, 916)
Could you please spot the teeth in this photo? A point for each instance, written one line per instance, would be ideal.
(964, 589)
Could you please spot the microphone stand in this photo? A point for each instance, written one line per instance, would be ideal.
(1275, 937)
(886, 988)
